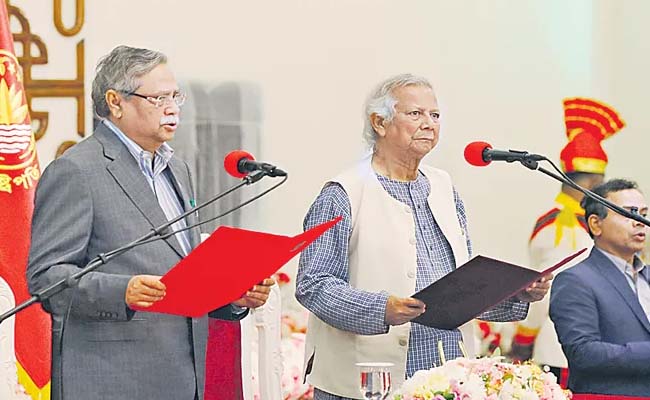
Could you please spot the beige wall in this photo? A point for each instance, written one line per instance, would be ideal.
(501, 69)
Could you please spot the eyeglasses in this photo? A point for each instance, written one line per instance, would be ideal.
(635, 210)
(417, 115)
(164, 99)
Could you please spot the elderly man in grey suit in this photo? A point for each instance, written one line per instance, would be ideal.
(104, 192)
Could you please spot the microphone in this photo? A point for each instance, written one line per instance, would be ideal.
(481, 154)
(239, 164)
(161, 232)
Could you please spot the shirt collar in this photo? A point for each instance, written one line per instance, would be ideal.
(637, 265)
(165, 151)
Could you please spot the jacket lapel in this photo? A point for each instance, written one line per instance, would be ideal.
(616, 279)
(126, 172)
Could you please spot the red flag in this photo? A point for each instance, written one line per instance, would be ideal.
(19, 173)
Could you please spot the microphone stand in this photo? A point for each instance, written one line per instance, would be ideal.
(531, 161)
(155, 234)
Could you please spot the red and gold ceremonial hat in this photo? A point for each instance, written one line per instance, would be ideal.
(588, 122)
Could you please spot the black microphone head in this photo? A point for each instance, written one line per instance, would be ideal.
(276, 172)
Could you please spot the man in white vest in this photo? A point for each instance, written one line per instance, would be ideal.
(404, 227)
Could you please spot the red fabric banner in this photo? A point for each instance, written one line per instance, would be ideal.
(19, 173)
(223, 373)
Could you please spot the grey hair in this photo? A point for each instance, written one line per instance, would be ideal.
(119, 70)
(382, 102)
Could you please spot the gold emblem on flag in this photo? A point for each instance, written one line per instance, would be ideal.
(5, 183)
(17, 144)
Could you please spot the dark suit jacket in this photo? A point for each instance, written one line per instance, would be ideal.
(603, 330)
(92, 200)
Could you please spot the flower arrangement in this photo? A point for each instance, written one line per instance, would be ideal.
(482, 379)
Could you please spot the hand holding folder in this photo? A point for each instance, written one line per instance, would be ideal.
(227, 264)
(473, 288)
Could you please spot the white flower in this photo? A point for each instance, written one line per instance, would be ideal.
(474, 387)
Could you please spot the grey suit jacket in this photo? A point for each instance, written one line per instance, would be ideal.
(90, 201)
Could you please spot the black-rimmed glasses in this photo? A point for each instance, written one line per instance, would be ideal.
(163, 99)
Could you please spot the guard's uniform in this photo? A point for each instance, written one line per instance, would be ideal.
(562, 230)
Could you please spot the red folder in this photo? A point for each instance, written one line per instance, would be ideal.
(474, 287)
(227, 264)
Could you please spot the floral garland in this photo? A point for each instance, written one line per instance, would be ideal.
(482, 379)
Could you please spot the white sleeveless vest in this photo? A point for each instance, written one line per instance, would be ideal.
(382, 256)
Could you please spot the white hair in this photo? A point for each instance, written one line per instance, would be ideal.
(382, 102)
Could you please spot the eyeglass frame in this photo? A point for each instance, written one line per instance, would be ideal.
(635, 210)
(163, 99)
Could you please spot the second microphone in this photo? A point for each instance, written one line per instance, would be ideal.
(239, 163)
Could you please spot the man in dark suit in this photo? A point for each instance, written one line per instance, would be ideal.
(600, 307)
(106, 191)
